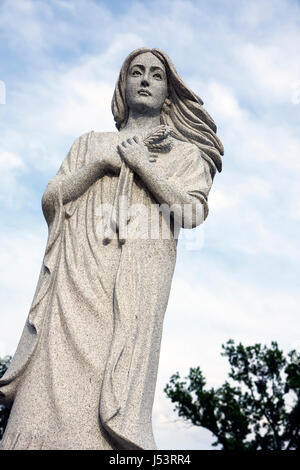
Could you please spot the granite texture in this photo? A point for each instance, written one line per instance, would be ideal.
(84, 373)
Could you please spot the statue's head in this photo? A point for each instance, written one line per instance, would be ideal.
(148, 82)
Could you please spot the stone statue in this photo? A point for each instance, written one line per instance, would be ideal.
(84, 373)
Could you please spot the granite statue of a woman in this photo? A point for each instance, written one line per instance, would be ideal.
(84, 373)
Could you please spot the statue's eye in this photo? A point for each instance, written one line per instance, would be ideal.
(158, 76)
(135, 73)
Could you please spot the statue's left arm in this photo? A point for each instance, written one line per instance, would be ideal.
(185, 195)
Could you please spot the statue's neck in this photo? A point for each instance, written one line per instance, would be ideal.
(142, 122)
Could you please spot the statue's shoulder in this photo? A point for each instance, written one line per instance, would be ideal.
(104, 136)
(97, 136)
(101, 139)
(183, 147)
(93, 141)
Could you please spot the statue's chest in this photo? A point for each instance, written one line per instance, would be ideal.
(165, 164)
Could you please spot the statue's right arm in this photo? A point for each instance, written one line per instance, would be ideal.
(73, 185)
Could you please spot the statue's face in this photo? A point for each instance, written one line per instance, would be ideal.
(146, 86)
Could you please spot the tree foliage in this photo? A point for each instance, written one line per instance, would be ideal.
(257, 409)
(4, 410)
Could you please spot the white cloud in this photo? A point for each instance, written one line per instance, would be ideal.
(270, 69)
(231, 304)
(239, 194)
(269, 56)
(251, 139)
(223, 101)
(12, 167)
(9, 160)
(171, 432)
(17, 14)
(20, 260)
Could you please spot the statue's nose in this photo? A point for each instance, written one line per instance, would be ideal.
(144, 82)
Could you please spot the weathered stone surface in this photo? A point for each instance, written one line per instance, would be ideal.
(84, 373)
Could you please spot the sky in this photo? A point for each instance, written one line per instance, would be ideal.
(238, 275)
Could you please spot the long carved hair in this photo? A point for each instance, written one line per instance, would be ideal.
(182, 110)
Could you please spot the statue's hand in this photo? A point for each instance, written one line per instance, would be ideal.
(133, 152)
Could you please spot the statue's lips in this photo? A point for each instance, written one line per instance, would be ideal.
(144, 93)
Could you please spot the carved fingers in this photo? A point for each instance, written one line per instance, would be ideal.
(133, 151)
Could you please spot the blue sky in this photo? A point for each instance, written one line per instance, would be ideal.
(59, 63)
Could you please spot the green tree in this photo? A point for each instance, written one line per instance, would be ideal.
(4, 410)
(258, 409)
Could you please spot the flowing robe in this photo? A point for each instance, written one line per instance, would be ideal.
(84, 373)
